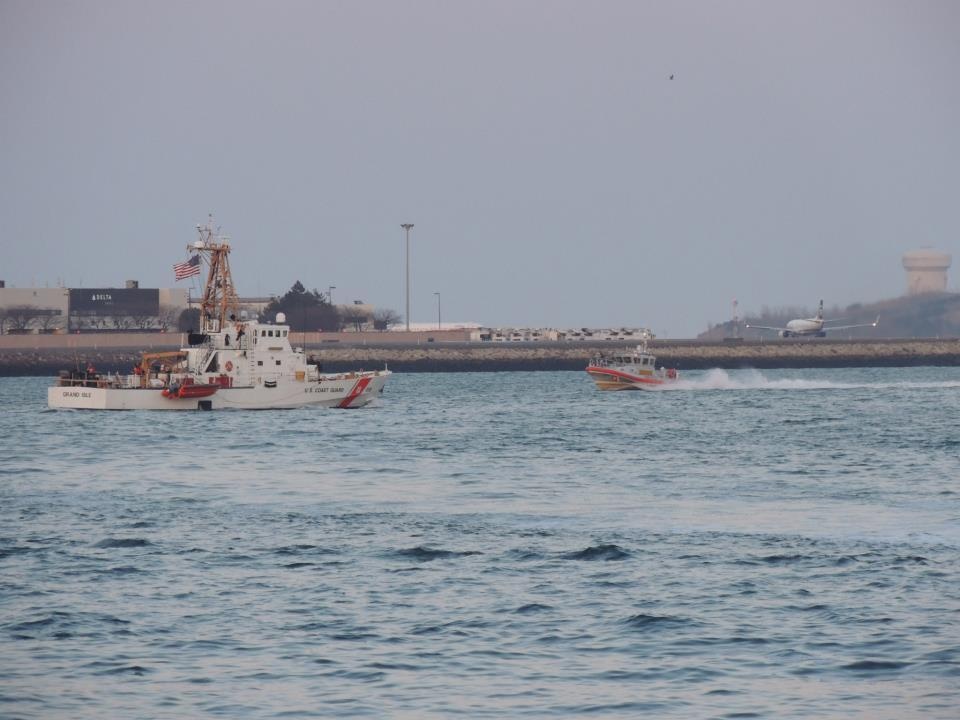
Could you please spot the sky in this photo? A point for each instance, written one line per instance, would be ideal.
(555, 174)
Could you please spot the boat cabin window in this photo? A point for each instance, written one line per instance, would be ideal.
(278, 362)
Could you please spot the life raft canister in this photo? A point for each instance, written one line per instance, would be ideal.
(229, 365)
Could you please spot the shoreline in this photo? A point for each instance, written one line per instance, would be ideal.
(113, 354)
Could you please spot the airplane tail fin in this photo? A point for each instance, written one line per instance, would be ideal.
(820, 311)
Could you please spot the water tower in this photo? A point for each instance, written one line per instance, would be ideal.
(926, 271)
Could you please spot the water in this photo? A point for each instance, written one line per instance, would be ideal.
(491, 545)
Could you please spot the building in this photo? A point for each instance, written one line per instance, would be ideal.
(33, 309)
(46, 310)
(926, 271)
(551, 335)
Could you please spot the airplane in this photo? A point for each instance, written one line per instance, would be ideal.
(811, 327)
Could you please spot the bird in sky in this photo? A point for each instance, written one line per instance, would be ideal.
(671, 77)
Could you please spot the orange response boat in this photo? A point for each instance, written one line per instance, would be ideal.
(630, 370)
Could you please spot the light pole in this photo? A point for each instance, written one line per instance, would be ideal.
(330, 293)
(438, 309)
(407, 226)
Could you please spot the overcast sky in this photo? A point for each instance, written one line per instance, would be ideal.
(555, 174)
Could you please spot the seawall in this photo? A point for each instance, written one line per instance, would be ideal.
(109, 353)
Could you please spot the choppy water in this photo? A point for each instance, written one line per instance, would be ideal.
(491, 545)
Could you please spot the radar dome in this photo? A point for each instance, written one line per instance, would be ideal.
(281, 318)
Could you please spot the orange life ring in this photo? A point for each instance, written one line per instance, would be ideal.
(229, 366)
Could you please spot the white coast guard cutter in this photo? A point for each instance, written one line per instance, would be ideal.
(230, 363)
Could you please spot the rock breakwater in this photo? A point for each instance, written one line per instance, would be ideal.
(466, 357)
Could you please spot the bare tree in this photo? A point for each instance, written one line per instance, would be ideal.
(384, 318)
(354, 315)
(144, 322)
(169, 314)
(20, 317)
(124, 322)
(49, 320)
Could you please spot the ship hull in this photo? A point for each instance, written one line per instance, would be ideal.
(610, 379)
(346, 391)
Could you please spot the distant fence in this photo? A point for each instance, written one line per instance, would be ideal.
(154, 340)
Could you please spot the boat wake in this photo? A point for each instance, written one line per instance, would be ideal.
(718, 379)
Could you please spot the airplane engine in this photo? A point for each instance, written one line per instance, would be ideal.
(784, 333)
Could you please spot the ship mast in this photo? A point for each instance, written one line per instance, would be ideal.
(220, 300)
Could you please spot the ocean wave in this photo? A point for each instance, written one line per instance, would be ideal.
(422, 553)
(644, 621)
(599, 552)
(875, 665)
(122, 543)
(532, 608)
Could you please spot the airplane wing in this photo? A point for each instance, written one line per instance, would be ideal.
(764, 327)
(849, 327)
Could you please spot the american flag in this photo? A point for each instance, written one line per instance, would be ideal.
(188, 268)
